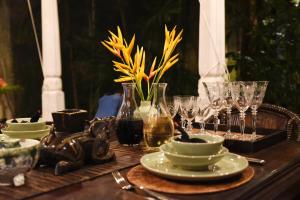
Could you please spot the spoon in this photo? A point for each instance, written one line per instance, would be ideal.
(36, 116)
(255, 160)
(184, 134)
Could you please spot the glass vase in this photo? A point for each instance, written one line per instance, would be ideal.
(144, 109)
(158, 125)
(129, 129)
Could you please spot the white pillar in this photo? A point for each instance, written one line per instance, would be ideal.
(52, 95)
(212, 62)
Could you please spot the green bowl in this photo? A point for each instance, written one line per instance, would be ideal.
(17, 160)
(29, 126)
(192, 162)
(213, 145)
(38, 134)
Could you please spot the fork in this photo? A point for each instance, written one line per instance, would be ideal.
(125, 185)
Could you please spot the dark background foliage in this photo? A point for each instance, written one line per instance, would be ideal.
(267, 35)
(88, 65)
(262, 44)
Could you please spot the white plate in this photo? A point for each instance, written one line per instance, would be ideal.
(229, 165)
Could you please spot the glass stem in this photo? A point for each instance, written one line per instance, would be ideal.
(202, 126)
(182, 119)
(216, 120)
(189, 127)
(254, 119)
(242, 121)
(229, 120)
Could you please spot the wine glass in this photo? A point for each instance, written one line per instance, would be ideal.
(259, 94)
(242, 94)
(189, 109)
(182, 118)
(203, 111)
(173, 105)
(215, 94)
(228, 102)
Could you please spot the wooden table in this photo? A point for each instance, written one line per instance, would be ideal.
(278, 179)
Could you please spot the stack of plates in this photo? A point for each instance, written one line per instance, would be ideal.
(230, 165)
(28, 130)
(195, 161)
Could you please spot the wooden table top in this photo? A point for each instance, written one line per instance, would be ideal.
(277, 179)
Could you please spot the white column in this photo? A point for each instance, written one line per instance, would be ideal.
(211, 41)
(52, 95)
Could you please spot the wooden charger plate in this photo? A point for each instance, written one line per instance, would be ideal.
(141, 177)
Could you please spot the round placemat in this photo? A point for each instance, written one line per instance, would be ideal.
(141, 177)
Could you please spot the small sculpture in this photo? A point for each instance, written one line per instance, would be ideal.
(69, 151)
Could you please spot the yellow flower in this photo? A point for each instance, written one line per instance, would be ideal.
(123, 79)
(152, 72)
(169, 64)
(113, 50)
(134, 69)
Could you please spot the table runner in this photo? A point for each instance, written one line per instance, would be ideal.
(43, 180)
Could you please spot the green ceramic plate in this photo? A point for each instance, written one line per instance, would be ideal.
(29, 126)
(191, 162)
(228, 166)
(27, 134)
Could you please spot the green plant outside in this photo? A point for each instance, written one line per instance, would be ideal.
(269, 47)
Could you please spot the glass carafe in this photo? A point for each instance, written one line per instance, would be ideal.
(158, 125)
(129, 125)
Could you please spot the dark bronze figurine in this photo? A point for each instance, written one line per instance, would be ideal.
(67, 151)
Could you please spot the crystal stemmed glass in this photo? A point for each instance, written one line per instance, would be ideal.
(203, 111)
(242, 93)
(259, 94)
(228, 102)
(189, 109)
(215, 95)
(182, 118)
(173, 105)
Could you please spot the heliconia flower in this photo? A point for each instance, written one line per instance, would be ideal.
(138, 59)
(152, 66)
(141, 68)
(120, 34)
(112, 34)
(115, 38)
(172, 43)
(124, 79)
(152, 72)
(122, 71)
(133, 68)
(116, 52)
(131, 44)
(167, 38)
(118, 46)
(122, 65)
(126, 56)
(169, 64)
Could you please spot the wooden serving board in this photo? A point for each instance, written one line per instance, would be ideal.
(141, 177)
